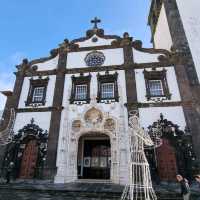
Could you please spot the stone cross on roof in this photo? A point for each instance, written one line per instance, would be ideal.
(95, 21)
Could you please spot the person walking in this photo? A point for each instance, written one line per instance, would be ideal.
(197, 178)
(185, 188)
(9, 172)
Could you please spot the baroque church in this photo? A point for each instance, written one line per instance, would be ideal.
(67, 117)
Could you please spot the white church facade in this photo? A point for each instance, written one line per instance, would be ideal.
(72, 110)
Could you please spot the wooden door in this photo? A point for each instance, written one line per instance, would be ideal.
(29, 160)
(166, 160)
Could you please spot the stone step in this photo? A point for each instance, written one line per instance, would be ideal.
(75, 191)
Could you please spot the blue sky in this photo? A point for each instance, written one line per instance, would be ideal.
(32, 28)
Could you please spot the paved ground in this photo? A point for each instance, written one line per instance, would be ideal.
(77, 191)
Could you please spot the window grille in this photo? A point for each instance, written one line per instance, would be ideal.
(38, 94)
(155, 87)
(81, 92)
(107, 90)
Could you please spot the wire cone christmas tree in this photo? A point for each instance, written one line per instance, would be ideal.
(140, 187)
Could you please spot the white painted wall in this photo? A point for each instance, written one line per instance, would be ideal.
(190, 14)
(90, 43)
(113, 107)
(112, 57)
(162, 37)
(49, 94)
(42, 119)
(171, 80)
(141, 57)
(150, 115)
(48, 65)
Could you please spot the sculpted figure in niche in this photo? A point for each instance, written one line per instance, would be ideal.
(109, 124)
(93, 116)
(76, 125)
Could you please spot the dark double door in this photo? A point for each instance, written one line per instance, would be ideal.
(96, 159)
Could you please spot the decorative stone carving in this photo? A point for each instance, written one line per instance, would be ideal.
(109, 124)
(76, 125)
(93, 117)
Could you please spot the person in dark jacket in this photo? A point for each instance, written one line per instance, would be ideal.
(185, 188)
(9, 172)
(197, 178)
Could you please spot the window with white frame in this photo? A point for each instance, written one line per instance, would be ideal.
(155, 88)
(81, 92)
(107, 90)
(38, 94)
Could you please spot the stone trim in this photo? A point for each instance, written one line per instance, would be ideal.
(92, 32)
(13, 101)
(52, 146)
(79, 81)
(131, 91)
(44, 109)
(103, 68)
(160, 104)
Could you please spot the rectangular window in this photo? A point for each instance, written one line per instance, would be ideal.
(81, 92)
(155, 87)
(107, 90)
(38, 94)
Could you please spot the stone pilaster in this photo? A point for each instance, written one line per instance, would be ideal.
(186, 73)
(50, 166)
(13, 99)
(129, 73)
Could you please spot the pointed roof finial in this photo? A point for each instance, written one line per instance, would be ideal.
(95, 21)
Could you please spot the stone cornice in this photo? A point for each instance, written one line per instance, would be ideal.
(102, 68)
(159, 104)
(39, 109)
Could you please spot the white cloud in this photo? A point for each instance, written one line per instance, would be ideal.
(7, 78)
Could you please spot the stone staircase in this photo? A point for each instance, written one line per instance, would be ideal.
(76, 191)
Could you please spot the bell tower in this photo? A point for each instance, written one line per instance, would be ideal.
(175, 25)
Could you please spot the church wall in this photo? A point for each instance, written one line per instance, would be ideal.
(90, 43)
(171, 80)
(191, 25)
(162, 36)
(113, 57)
(68, 141)
(42, 119)
(48, 65)
(141, 57)
(150, 115)
(49, 93)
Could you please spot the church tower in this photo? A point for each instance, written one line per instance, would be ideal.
(175, 25)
